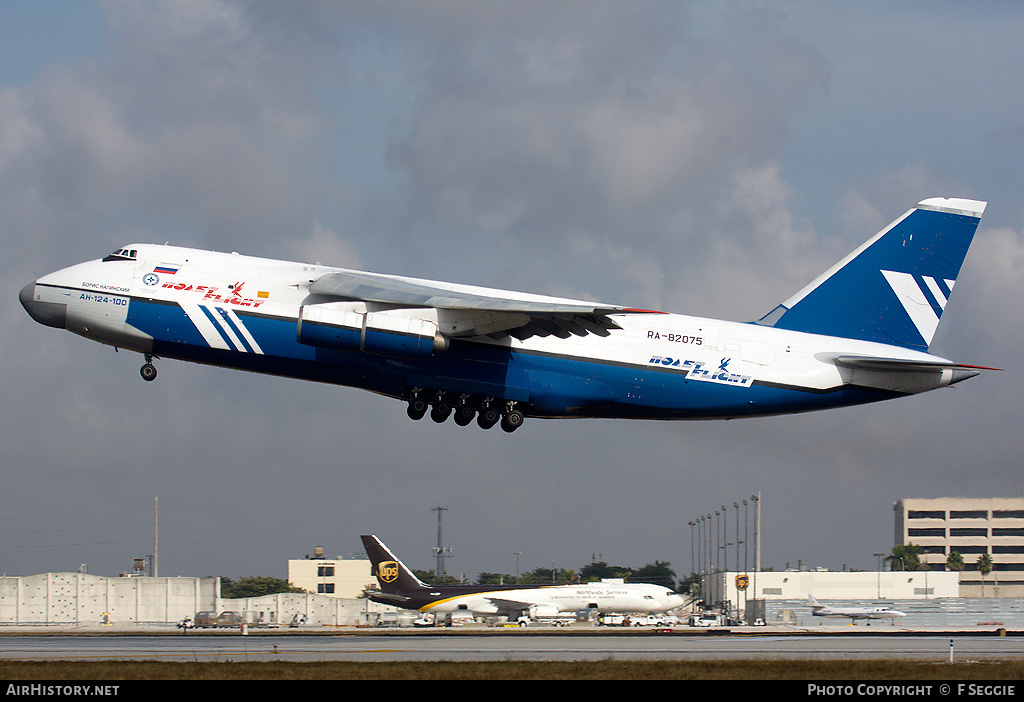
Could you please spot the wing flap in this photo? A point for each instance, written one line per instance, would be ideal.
(467, 311)
(502, 603)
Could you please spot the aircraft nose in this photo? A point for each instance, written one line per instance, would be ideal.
(52, 314)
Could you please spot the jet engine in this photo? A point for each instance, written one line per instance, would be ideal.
(400, 333)
(543, 610)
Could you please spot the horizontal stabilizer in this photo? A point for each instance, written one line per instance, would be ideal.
(900, 375)
(905, 366)
(390, 598)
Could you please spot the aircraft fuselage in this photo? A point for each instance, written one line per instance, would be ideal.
(258, 315)
(602, 597)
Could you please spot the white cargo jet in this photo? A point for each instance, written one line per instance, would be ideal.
(399, 587)
(854, 613)
(858, 333)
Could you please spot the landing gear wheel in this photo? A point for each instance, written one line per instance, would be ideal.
(487, 418)
(512, 421)
(148, 372)
(440, 412)
(464, 415)
(417, 408)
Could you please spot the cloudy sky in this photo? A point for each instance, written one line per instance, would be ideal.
(698, 157)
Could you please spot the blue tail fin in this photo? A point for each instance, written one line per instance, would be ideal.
(893, 288)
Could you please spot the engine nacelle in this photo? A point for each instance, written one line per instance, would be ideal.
(388, 333)
(543, 610)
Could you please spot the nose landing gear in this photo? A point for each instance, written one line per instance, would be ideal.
(148, 371)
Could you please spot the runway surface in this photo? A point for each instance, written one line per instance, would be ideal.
(467, 646)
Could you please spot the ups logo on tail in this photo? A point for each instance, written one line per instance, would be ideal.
(387, 571)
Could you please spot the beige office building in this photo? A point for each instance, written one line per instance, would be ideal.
(971, 527)
(341, 578)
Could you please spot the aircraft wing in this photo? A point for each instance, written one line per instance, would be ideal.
(476, 312)
(502, 603)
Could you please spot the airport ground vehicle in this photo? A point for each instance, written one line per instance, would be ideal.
(211, 620)
(205, 620)
(706, 619)
(652, 620)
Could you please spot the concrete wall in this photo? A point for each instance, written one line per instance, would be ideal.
(79, 598)
(867, 586)
(315, 610)
(82, 599)
(956, 612)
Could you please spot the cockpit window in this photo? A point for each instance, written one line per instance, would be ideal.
(122, 255)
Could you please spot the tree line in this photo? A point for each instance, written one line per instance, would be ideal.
(657, 573)
(908, 557)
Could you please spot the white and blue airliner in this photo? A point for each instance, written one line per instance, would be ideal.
(858, 333)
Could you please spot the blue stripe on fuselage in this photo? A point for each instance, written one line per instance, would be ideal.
(552, 385)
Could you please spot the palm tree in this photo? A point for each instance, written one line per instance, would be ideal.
(954, 561)
(905, 557)
(984, 564)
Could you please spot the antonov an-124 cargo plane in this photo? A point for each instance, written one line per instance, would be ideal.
(858, 333)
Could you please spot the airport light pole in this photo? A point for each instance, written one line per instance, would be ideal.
(698, 566)
(712, 533)
(700, 544)
(693, 562)
(756, 497)
(746, 554)
(710, 553)
(718, 533)
(879, 557)
(725, 540)
(703, 544)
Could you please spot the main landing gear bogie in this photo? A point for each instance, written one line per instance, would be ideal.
(464, 408)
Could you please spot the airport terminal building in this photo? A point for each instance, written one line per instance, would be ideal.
(972, 527)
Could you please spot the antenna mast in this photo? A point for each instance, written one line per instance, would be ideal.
(439, 551)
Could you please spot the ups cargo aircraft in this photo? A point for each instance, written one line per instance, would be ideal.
(399, 587)
(853, 613)
(858, 333)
